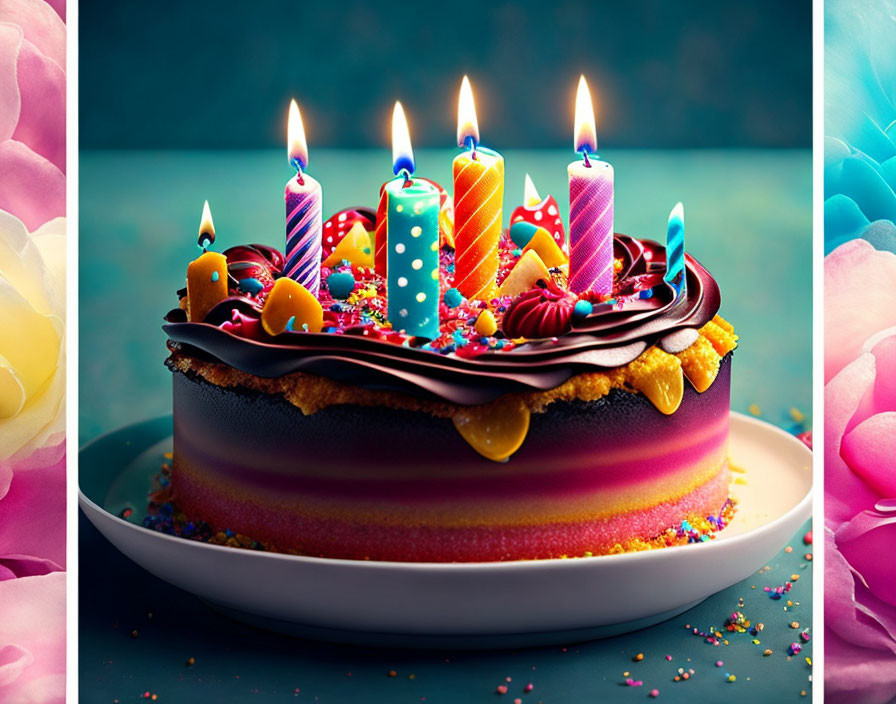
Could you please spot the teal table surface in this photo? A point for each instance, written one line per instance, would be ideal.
(749, 221)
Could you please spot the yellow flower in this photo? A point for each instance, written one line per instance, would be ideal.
(32, 335)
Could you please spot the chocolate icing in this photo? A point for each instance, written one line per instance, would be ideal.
(611, 336)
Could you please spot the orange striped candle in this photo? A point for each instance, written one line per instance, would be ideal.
(478, 199)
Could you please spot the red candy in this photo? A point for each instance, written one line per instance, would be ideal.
(254, 261)
(546, 214)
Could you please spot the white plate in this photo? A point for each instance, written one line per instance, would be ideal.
(457, 605)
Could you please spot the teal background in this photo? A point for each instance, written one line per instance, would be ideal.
(220, 73)
(748, 219)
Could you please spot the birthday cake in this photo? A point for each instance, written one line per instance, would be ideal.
(515, 413)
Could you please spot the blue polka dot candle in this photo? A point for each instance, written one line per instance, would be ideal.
(675, 273)
(412, 238)
(304, 222)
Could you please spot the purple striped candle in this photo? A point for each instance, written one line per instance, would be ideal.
(304, 224)
(304, 220)
(590, 207)
(591, 227)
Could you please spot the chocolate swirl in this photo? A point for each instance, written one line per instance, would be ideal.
(611, 336)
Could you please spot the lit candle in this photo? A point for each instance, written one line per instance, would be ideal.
(303, 211)
(675, 273)
(590, 207)
(207, 275)
(206, 228)
(412, 236)
(478, 198)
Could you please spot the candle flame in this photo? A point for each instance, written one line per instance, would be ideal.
(530, 195)
(677, 213)
(402, 153)
(297, 147)
(467, 125)
(206, 227)
(585, 133)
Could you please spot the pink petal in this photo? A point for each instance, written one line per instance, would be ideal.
(59, 6)
(851, 611)
(42, 119)
(866, 544)
(884, 352)
(13, 661)
(857, 279)
(845, 492)
(40, 24)
(10, 100)
(33, 188)
(32, 639)
(855, 675)
(5, 479)
(34, 516)
(870, 451)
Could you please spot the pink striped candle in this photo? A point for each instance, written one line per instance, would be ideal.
(590, 208)
(304, 220)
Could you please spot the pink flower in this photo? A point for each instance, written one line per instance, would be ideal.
(32, 583)
(860, 474)
(32, 351)
(32, 111)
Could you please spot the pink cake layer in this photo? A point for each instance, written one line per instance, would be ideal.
(349, 539)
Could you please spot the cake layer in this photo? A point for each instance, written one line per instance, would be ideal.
(390, 484)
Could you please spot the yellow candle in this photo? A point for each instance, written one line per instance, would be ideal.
(206, 284)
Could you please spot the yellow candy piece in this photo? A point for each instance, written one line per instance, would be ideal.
(355, 247)
(700, 363)
(529, 269)
(485, 324)
(495, 430)
(288, 300)
(548, 249)
(658, 376)
(721, 334)
(206, 284)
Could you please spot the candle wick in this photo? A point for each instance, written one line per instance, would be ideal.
(471, 145)
(585, 156)
(407, 178)
(297, 165)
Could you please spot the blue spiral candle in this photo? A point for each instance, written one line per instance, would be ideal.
(675, 273)
(412, 239)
